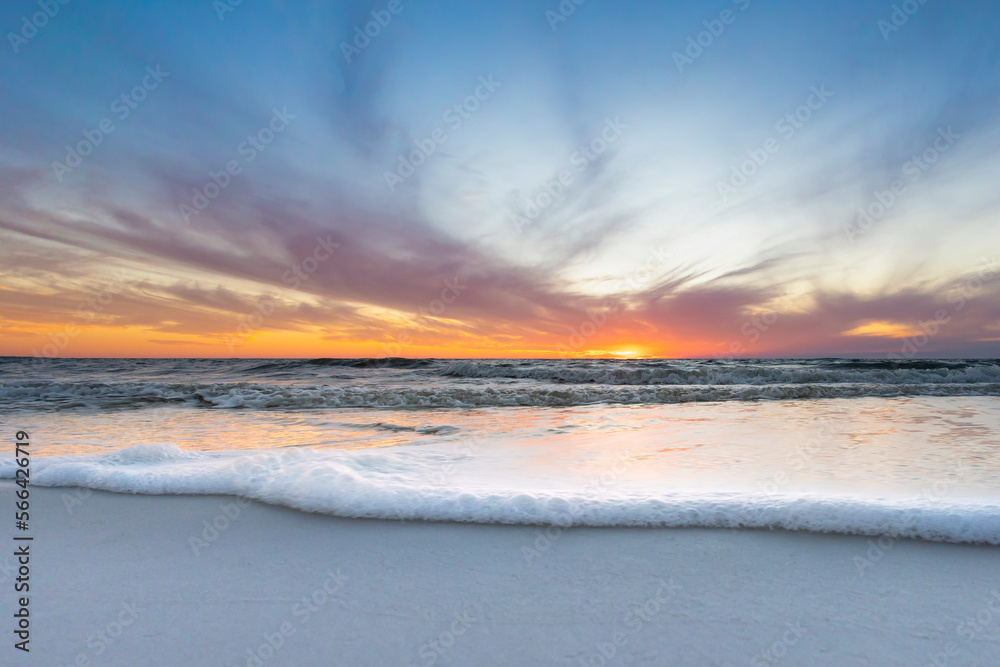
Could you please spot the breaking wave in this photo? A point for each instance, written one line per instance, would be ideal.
(55, 396)
(721, 373)
(400, 484)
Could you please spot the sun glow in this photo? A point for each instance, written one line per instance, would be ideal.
(882, 329)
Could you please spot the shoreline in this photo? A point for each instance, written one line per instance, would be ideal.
(282, 587)
(445, 482)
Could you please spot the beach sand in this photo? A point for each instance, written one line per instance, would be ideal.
(143, 580)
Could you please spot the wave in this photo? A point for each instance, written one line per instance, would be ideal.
(729, 373)
(401, 484)
(907, 364)
(54, 396)
(523, 371)
(383, 362)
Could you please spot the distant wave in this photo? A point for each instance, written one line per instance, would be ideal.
(385, 362)
(395, 484)
(53, 396)
(290, 384)
(756, 373)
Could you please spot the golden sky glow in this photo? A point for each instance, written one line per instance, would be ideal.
(883, 330)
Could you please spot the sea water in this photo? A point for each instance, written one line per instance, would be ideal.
(906, 448)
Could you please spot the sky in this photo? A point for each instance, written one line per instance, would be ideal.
(280, 178)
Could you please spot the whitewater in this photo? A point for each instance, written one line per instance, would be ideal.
(48, 384)
(866, 447)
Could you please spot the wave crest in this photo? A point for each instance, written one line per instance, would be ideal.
(758, 373)
(397, 484)
(54, 396)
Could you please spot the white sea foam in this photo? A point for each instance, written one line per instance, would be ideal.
(405, 483)
(122, 395)
(664, 372)
(427, 383)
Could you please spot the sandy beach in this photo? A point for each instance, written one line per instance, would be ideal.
(212, 580)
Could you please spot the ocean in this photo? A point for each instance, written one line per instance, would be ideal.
(871, 447)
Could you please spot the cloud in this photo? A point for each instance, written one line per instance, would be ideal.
(779, 247)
